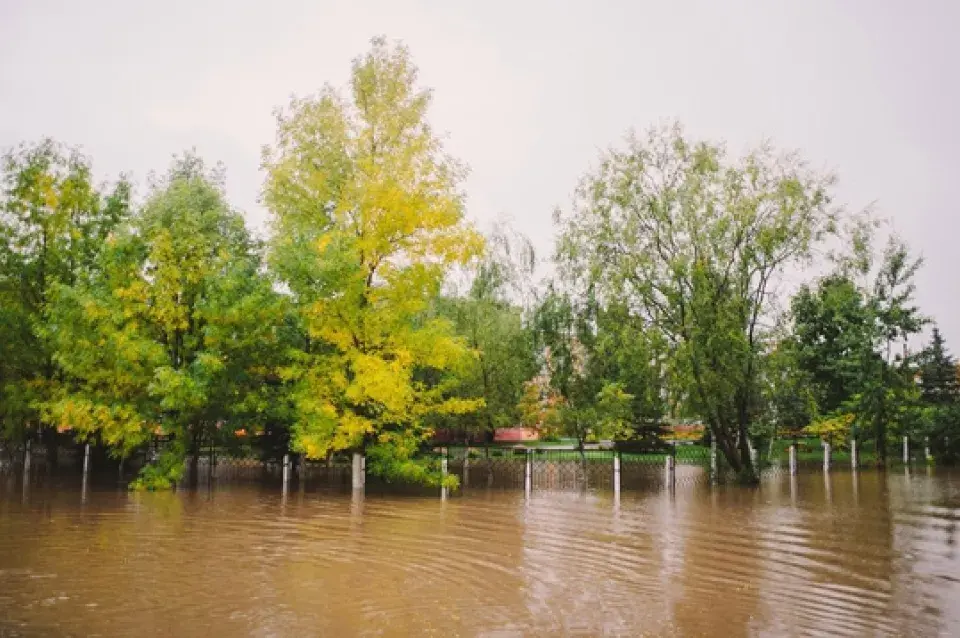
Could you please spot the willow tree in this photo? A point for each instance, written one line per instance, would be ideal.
(368, 218)
(695, 241)
(490, 317)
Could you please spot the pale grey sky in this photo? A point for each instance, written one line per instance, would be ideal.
(527, 91)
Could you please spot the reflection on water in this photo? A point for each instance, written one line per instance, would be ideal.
(848, 554)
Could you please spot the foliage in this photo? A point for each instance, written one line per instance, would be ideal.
(121, 323)
(539, 407)
(833, 334)
(788, 391)
(493, 325)
(940, 390)
(165, 473)
(368, 218)
(888, 402)
(53, 223)
(630, 354)
(571, 390)
(174, 333)
(835, 430)
(693, 241)
(938, 372)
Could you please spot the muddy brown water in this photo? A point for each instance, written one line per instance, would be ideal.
(864, 555)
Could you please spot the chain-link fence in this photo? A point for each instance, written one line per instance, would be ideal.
(528, 467)
(845, 454)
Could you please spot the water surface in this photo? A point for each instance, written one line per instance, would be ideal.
(864, 554)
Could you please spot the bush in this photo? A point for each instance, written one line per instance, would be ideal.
(164, 473)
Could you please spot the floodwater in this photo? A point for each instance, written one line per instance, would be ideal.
(850, 554)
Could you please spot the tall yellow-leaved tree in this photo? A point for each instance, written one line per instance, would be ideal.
(368, 216)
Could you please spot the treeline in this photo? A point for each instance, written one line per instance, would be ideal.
(374, 314)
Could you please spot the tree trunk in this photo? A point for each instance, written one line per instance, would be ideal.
(195, 459)
(486, 454)
(50, 439)
(747, 473)
(583, 455)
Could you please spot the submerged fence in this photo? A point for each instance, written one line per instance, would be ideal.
(534, 468)
(569, 468)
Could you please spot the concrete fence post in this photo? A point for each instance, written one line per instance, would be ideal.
(926, 450)
(528, 473)
(358, 471)
(906, 449)
(616, 473)
(26, 461)
(86, 459)
(286, 471)
(443, 473)
(671, 469)
(793, 459)
(826, 456)
(713, 461)
(854, 454)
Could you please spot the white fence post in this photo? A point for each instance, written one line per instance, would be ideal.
(926, 450)
(906, 449)
(286, 471)
(443, 472)
(616, 473)
(358, 471)
(26, 462)
(528, 473)
(854, 454)
(826, 456)
(713, 460)
(793, 459)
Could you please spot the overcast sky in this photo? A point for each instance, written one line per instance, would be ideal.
(528, 92)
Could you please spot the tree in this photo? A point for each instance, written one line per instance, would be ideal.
(368, 218)
(787, 392)
(938, 372)
(493, 325)
(832, 334)
(588, 405)
(629, 352)
(940, 390)
(53, 223)
(693, 242)
(889, 394)
(173, 334)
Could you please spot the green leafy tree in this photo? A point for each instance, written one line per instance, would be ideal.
(694, 242)
(833, 333)
(173, 334)
(53, 223)
(368, 219)
(588, 405)
(888, 402)
(632, 354)
(493, 325)
(788, 394)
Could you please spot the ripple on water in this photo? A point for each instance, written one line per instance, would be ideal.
(849, 555)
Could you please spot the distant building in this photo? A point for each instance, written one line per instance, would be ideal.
(515, 435)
